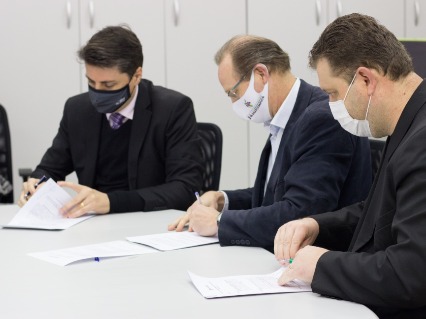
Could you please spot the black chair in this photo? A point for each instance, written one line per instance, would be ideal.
(6, 173)
(211, 149)
(376, 151)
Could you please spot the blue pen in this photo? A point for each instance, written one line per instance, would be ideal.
(198, 197)
(97, 259)
(41, 180)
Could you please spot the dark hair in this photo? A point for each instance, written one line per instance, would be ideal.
(356, 40)
(114, 46)
(248, 50)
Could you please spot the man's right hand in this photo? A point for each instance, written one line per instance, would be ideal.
(211, 199)
(293, 236)
(28, 186)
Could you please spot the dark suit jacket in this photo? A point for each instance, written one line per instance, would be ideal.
(386, 262)
(164, 166)
(319, 167)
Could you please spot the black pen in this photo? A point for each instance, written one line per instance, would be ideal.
(41, 180)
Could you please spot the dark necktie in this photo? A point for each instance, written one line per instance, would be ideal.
(116, 120)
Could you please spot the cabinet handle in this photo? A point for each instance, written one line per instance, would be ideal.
(339, 9)
(318, 11)
(176, 12)
(91, 14)
(416, 13)
(69, 16)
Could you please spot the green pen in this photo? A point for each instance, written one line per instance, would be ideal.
(285, 261)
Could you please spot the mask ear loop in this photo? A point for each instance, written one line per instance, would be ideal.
(368, 107)
(350, 85)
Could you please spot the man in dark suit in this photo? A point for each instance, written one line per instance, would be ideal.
(379, 245)
(133, 145)
(309, 164)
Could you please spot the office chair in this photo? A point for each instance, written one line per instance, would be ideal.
(211, 149)
(376, 151)
(6, 173)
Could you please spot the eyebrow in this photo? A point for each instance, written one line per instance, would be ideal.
(102, 82)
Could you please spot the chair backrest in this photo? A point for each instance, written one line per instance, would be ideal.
(211, 149)
(376, 151)
(6, 173)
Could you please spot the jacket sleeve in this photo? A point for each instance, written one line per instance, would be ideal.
(57, 162)
(390, 275)
(320, 154)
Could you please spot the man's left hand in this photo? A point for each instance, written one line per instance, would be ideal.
(87, 200)
(303, 265)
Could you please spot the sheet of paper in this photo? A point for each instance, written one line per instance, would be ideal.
(42, 210)
(245, 285)
(118, 248)
(173, 240)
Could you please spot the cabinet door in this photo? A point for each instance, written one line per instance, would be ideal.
(144, 17)
(389, 13)
(195, 30)
(415, 15)
(38, 73)
(295, 26)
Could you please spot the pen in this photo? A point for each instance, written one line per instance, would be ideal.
(198, 197)
(42, 179)
(97, 259)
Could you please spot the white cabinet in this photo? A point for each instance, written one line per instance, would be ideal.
(388, 13)
(195, 30)
(38, 71)
(415, 17)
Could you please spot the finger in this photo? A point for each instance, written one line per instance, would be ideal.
(75, 187)
(72, 205)
(278, 241)
(79, 210)
(182, 223)
(286, 276)
(174, 225)
(298, 238)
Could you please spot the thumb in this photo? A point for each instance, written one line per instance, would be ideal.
(286, 277)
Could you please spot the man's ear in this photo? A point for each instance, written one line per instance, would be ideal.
(260, 71)
(369, 77)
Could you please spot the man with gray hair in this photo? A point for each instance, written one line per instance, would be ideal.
(309, 164)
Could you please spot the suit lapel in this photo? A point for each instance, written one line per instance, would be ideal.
(366, 226)
(140, 124)
(302, 102)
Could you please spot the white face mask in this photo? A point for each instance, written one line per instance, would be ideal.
(353, 126)
(253, 106)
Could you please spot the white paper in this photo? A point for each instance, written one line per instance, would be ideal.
(42, 210)
(173, 240)
(118, 248)
(245, 285)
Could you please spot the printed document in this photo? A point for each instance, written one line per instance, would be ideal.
(118, 248)
(42, 210)
(173, 240)
(245, 285)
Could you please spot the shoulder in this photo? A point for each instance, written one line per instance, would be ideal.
(163, 96)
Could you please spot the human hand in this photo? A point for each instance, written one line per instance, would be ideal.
(29, 186)
(203, 220)
(210, 199)
(303, 265)
(293, 236)
(87, 200)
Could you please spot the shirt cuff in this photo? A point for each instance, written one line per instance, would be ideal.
(226, 202)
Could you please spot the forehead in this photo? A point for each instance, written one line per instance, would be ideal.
(327, 80)
(227, 76)
(104, 74)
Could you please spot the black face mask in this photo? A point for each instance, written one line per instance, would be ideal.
(109, 101)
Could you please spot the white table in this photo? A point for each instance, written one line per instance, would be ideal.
(144, 286)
